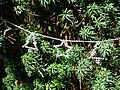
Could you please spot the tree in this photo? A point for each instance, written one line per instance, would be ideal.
(40, 64)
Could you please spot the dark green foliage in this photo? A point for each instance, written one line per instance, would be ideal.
(1, 40)
(43, 68)
(103, 80)
(87, 33)
(105, 49)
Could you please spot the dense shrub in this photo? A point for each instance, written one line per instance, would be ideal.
(50, 67)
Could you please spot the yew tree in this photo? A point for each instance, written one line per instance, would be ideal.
(60, 44)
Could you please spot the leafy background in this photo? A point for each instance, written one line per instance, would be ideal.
(65, 19)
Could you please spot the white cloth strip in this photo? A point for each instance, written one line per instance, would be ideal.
(45, 36)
